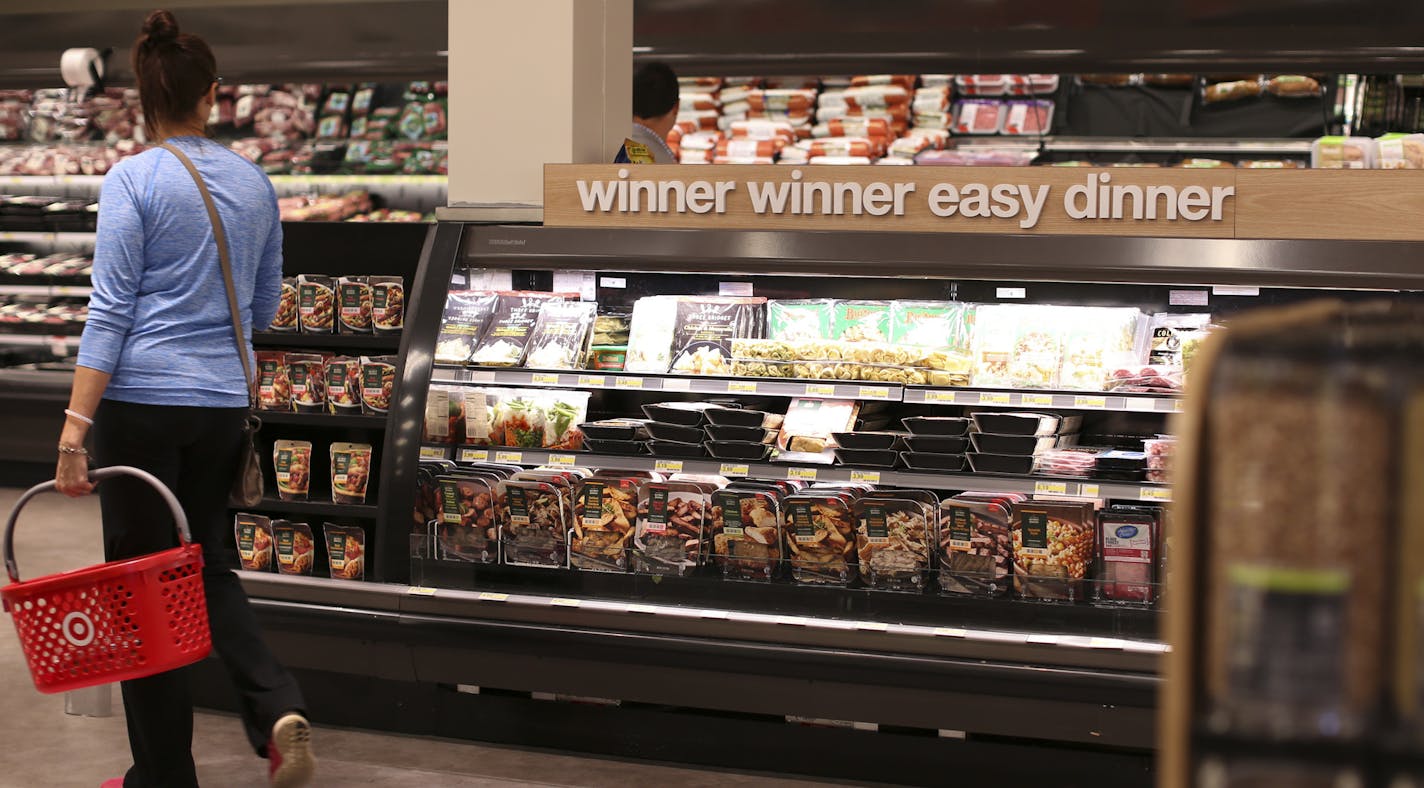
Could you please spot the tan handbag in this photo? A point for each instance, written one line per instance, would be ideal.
(247, 485)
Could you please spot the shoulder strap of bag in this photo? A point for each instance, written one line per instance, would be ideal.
(225, 259)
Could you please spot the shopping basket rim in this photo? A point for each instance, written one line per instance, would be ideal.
(60, 581)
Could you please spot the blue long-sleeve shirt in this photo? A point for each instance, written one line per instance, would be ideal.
(158, 319)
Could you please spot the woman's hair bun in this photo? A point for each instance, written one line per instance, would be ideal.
(160, 26)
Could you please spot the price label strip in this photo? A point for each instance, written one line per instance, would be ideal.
(630, 383)
(1037, 400)
(1154, 494)
(490, 596)
(1094, 403)
(994, 398)
(562, 460)
(734, 469)
(1050, 488)
(870, 477)
(820, 390)
(432, 453)
(592, 381)
(668, 466)
(945, 397)
(741, 387)
(801, 474)
(474, 455)
(509, 457)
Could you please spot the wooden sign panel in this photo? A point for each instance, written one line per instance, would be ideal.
(1200, 203)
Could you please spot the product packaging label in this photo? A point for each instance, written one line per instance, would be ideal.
(961, 528)
(1035, 534)
(656, 521)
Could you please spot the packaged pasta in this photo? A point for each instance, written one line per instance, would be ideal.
(316, 303)
(506, 337)
(274, 388)
(253, 533)
(286, 320)
(350, 472)
(387, 304)
(345, 551)
(307, 373)
(861, 321)
(343, 384)
(462, 323)
(932, 324)
(705, 329)
(353, 294)
(892, 541)
(378, 380)
(650, 334)
(296, 552)
(796, 320)
(292, 462)
(560, 338)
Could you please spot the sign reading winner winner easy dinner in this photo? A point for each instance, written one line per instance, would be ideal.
(1017, 200)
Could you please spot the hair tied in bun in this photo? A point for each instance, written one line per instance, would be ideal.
(160, 27)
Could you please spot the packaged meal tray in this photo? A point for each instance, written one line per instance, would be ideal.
(505, 339)
(378, 380)
(975, 546)
(1097, 340)
(796, 320)
(387, 304)
(1342, 153)
(463, 321)
(932, 324)
(343, 384)
(307, 375)
(1400, 152)
(534, 523)
(820, 537)
(1055, 545)
(274, 388)
(1173, 340)
(353, 295)
(253, 533)
(806, 432)
(861, 321)
(1026, 423)
(350, 472)
(671, 531)
(345, 551)
(893, 541)
(560, 339)
(316, 303)
(295, 549)
(286, 320)
(604, 518)
(747, 537)
(1127, 555)
(467, 529)
(292, 462)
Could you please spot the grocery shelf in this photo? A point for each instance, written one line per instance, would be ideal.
(1077, 400)
(37, 340)
(46, 290)
(1234, 145)
(318, 508)
(1036, 485)
(385, 343)
(695, 384)
(338, 420)
(7, 236)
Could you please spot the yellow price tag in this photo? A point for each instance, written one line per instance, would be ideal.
(949, 632)
(561, 602)
(733, 469)
(544, 379)
(994, 398)
(668, 466)
(1154, 494)
(490, 596)
(820, 390)
(1177, 406)
(741, 387)
(1050, 488)
(1089, 491)
(1037, 400)
(942, 397)
(870, 477)
(432, 453)
(872, 626)
(474, 455)
(592, 381)
(509, 457)
(421, 591)
(562, 460)
(1090, 402)
(874, 392)
(630, 383)
(803, 474)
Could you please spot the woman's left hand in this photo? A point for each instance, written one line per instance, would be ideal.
(71, 476)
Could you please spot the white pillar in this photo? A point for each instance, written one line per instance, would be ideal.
(535, 82)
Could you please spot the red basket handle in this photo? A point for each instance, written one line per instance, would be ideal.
(96, 475)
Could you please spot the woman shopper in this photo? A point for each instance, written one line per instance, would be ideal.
(160, 382)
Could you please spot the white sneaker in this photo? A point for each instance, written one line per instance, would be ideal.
(290, 763)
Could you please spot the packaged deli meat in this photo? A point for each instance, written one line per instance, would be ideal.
(353, 297)
(378, 380)
(671, 532)
(343, 384)
(975, 546)
(533, 519)
(295, 549)
(274, 388)
(747, 541)
(1054, 547)
(253, 533)
(387, 304)
(560, 339)
(1342, 153)
(316, 303)
(1128, 555)
(506, 336)
(461, 325)
(604, 519)
(286, 320)
(350, 472)
(705, 328)
(307, 374)
(467, 529)
(345, 551)
(892, 542)
(292, 461)
(820, 537)
(795, 320)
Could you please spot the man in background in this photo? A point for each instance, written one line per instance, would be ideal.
(655, 106)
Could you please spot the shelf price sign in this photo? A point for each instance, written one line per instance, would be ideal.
(630, 383)
(432, 453)
(1037, 400)
(544, 379)
(592, 381)
(1154, 494)
(562, 460)
(820, 390)
(509, 457)
(801, 474)
(667, 466)
(1096, 403)
(871, 477)
(994, 398)
(741, 387)
(474, 455)
(734, 469)
(874, 392)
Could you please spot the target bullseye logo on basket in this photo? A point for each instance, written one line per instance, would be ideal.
(78, 629)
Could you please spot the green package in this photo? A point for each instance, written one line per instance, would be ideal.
(932, 324)
(800, 320)
(861, 321)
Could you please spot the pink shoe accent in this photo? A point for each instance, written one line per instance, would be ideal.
(113, 782)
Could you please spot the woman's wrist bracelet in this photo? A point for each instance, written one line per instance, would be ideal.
(63, 449)
(77, 416)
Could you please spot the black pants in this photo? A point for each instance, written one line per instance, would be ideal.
(194, 451)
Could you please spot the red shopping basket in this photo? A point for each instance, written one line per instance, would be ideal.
(116, 621)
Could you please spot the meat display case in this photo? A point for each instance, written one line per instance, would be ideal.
(983, 680)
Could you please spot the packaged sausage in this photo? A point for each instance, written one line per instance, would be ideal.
(345, 551)
(445, 416)
(286, 319)
(561, 335)
(892, 542)
(1219, 92)
(467, 529)
(378, 379)
(1109, 80)
(387, 304)
(671, 532)
(296, 552)
(975, 546)
(1293, 86)
(533, 523)
(253, 533)
(292, 462)
(307, 373)
(354, 296)
(1342, 153)
(747, 543)
(274, 389)
(1055, 545)
(463, 322)
(316, 303)
(350, 472)
(343, 384)
(1127, 555)
(506, 337)
(604, 519)
(1169, 80)
(820, 537)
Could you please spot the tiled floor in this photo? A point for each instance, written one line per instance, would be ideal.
(42, 746)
